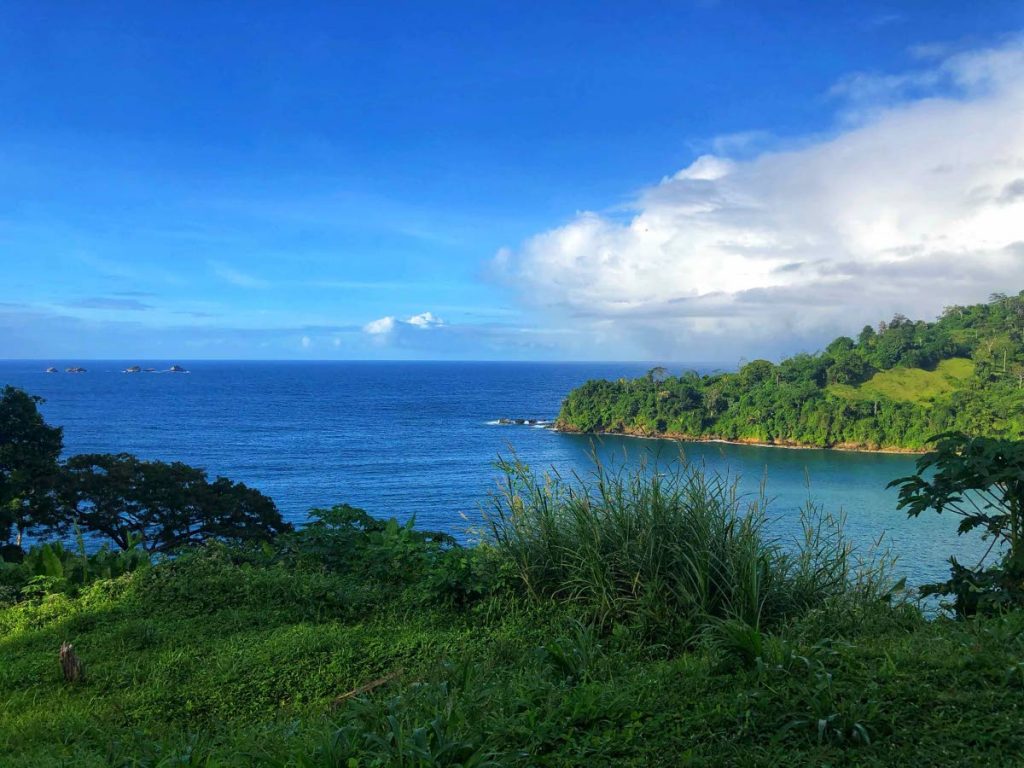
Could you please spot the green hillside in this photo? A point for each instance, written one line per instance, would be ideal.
(892, 387)
(632, 624)
(910, 385)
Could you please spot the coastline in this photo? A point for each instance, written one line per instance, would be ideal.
(684, 438)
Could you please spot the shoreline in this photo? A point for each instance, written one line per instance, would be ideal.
(683, 438)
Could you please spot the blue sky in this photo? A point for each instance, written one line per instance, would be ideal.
(499, 181)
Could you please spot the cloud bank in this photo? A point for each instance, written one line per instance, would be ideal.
(915, 203)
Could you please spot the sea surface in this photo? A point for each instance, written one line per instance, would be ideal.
(419, 439)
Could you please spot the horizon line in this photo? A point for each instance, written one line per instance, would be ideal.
(346, 360)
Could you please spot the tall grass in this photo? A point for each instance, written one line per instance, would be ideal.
(670, 547)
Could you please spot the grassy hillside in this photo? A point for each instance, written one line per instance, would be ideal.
(910, 385)
(567, 642)
(262, 679)
(891, 387)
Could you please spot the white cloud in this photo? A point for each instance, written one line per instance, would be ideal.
(380, 327)
(918, 204)
(741, 143)
(306, 342)
(425, 320)
(388, 325)
(706, 168)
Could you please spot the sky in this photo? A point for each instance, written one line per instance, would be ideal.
(677, 181)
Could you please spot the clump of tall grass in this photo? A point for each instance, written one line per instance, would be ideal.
(671, 547)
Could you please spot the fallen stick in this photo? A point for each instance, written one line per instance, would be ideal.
(365, 688)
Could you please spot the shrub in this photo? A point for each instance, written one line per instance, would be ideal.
(426, 566)
(981, 480)
(52, 567)
(666, 549)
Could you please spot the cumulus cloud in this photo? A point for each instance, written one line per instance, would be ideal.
(917, 202)
(381, 326)
(425, 320)
(387, 325)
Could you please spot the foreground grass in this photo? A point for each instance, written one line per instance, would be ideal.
(359, 643)
(256, 682)
(910, 385)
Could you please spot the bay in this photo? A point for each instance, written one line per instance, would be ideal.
(418, 439)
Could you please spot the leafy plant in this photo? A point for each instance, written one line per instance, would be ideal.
(575, 655)
(346, 539)
(52, 567)
(981, 480)
(429, 725)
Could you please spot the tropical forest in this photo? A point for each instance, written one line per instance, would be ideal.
(893, 387)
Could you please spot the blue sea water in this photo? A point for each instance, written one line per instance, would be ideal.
(417, 439)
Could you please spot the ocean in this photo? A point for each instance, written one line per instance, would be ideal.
(420, 439)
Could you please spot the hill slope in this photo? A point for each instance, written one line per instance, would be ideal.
(910, 385)
(891, 388)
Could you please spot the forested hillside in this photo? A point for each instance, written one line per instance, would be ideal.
(891, 387)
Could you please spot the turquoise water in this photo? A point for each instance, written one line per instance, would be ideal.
(417, 439)
(853, 484)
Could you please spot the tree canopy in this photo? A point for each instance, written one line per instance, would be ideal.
(154, 505)
(29, 450)
(892, 387)
(162, 506)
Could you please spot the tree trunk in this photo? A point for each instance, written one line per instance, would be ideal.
(70, 664)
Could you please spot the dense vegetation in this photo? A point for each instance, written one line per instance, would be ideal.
(981, 481)
(893, 387)
(621, 619)
(128, 502)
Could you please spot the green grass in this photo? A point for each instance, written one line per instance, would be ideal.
(239, 657)
(668, 550)
(912, 385)
(507, 683)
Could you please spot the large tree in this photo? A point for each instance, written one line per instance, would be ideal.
(163, 507)
(29, 450)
